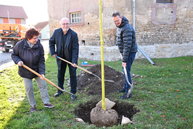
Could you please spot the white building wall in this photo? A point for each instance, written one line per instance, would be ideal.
(45, 32)
(1, 20)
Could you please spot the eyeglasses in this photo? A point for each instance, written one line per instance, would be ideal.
(65, 23)
(35, 38)
(117, 21)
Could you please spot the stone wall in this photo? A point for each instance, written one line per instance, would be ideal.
(156, 24)
(153, 51)
(178, 32)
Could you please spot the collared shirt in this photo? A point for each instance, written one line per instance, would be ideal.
(30, 44)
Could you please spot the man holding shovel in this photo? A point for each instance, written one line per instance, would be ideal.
(29, 51)
(126, 41)
(64, 44)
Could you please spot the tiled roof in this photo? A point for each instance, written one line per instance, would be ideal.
(12, 12)
(41, 25)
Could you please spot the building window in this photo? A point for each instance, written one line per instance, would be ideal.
(18, 21)
(164, 1)
(5, 20)
(75, 17)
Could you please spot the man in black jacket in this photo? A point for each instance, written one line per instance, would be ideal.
(126, 41)
(64, 43)
(30, 52)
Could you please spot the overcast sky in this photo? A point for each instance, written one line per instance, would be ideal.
(36, 10)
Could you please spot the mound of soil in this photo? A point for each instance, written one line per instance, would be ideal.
(92, 85)
(122, 108)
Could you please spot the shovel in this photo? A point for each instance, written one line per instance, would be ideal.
(26, 67)
(131, 85)
(83, 69)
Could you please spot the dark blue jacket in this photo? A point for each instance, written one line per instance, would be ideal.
(125, 39)
(56, 43)
(32, 57)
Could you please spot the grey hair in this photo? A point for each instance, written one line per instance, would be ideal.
(64, 19)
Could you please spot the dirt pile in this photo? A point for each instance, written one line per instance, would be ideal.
(92, 85)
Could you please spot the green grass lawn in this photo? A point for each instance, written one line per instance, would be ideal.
(164, 96)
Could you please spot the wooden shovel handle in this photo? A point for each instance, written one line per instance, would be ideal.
(82, 69)
(72, 64)
(39, 75)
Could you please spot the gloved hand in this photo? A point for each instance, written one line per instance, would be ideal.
(74, 65)
(124, 64)
(54, 55)
(42, 77)
(20, 63)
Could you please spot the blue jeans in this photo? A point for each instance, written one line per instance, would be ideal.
(128, 68)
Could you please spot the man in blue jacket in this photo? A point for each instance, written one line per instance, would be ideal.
(64, 43)
(126, 41)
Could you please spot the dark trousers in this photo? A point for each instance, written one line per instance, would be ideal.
(128, 68)
(61, 74)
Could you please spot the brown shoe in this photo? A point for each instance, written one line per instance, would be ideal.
(33, 109)
(48, 105)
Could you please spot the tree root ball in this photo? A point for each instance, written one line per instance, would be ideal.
(101, 117)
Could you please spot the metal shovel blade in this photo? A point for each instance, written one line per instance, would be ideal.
(101, 79)
(131, 85)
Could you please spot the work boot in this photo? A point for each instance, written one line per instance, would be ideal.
(125, 96)
(48, 105)
(57, 94)
(122, 90)
(73, 97)
(33, 109)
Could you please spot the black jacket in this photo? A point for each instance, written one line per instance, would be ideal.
(125, 39)
(56, 43)
(32, 57)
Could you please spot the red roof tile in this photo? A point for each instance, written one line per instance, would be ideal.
(12, 11)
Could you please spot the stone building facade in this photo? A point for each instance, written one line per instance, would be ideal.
(163, 27)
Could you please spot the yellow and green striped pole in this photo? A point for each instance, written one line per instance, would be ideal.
(102, 54)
